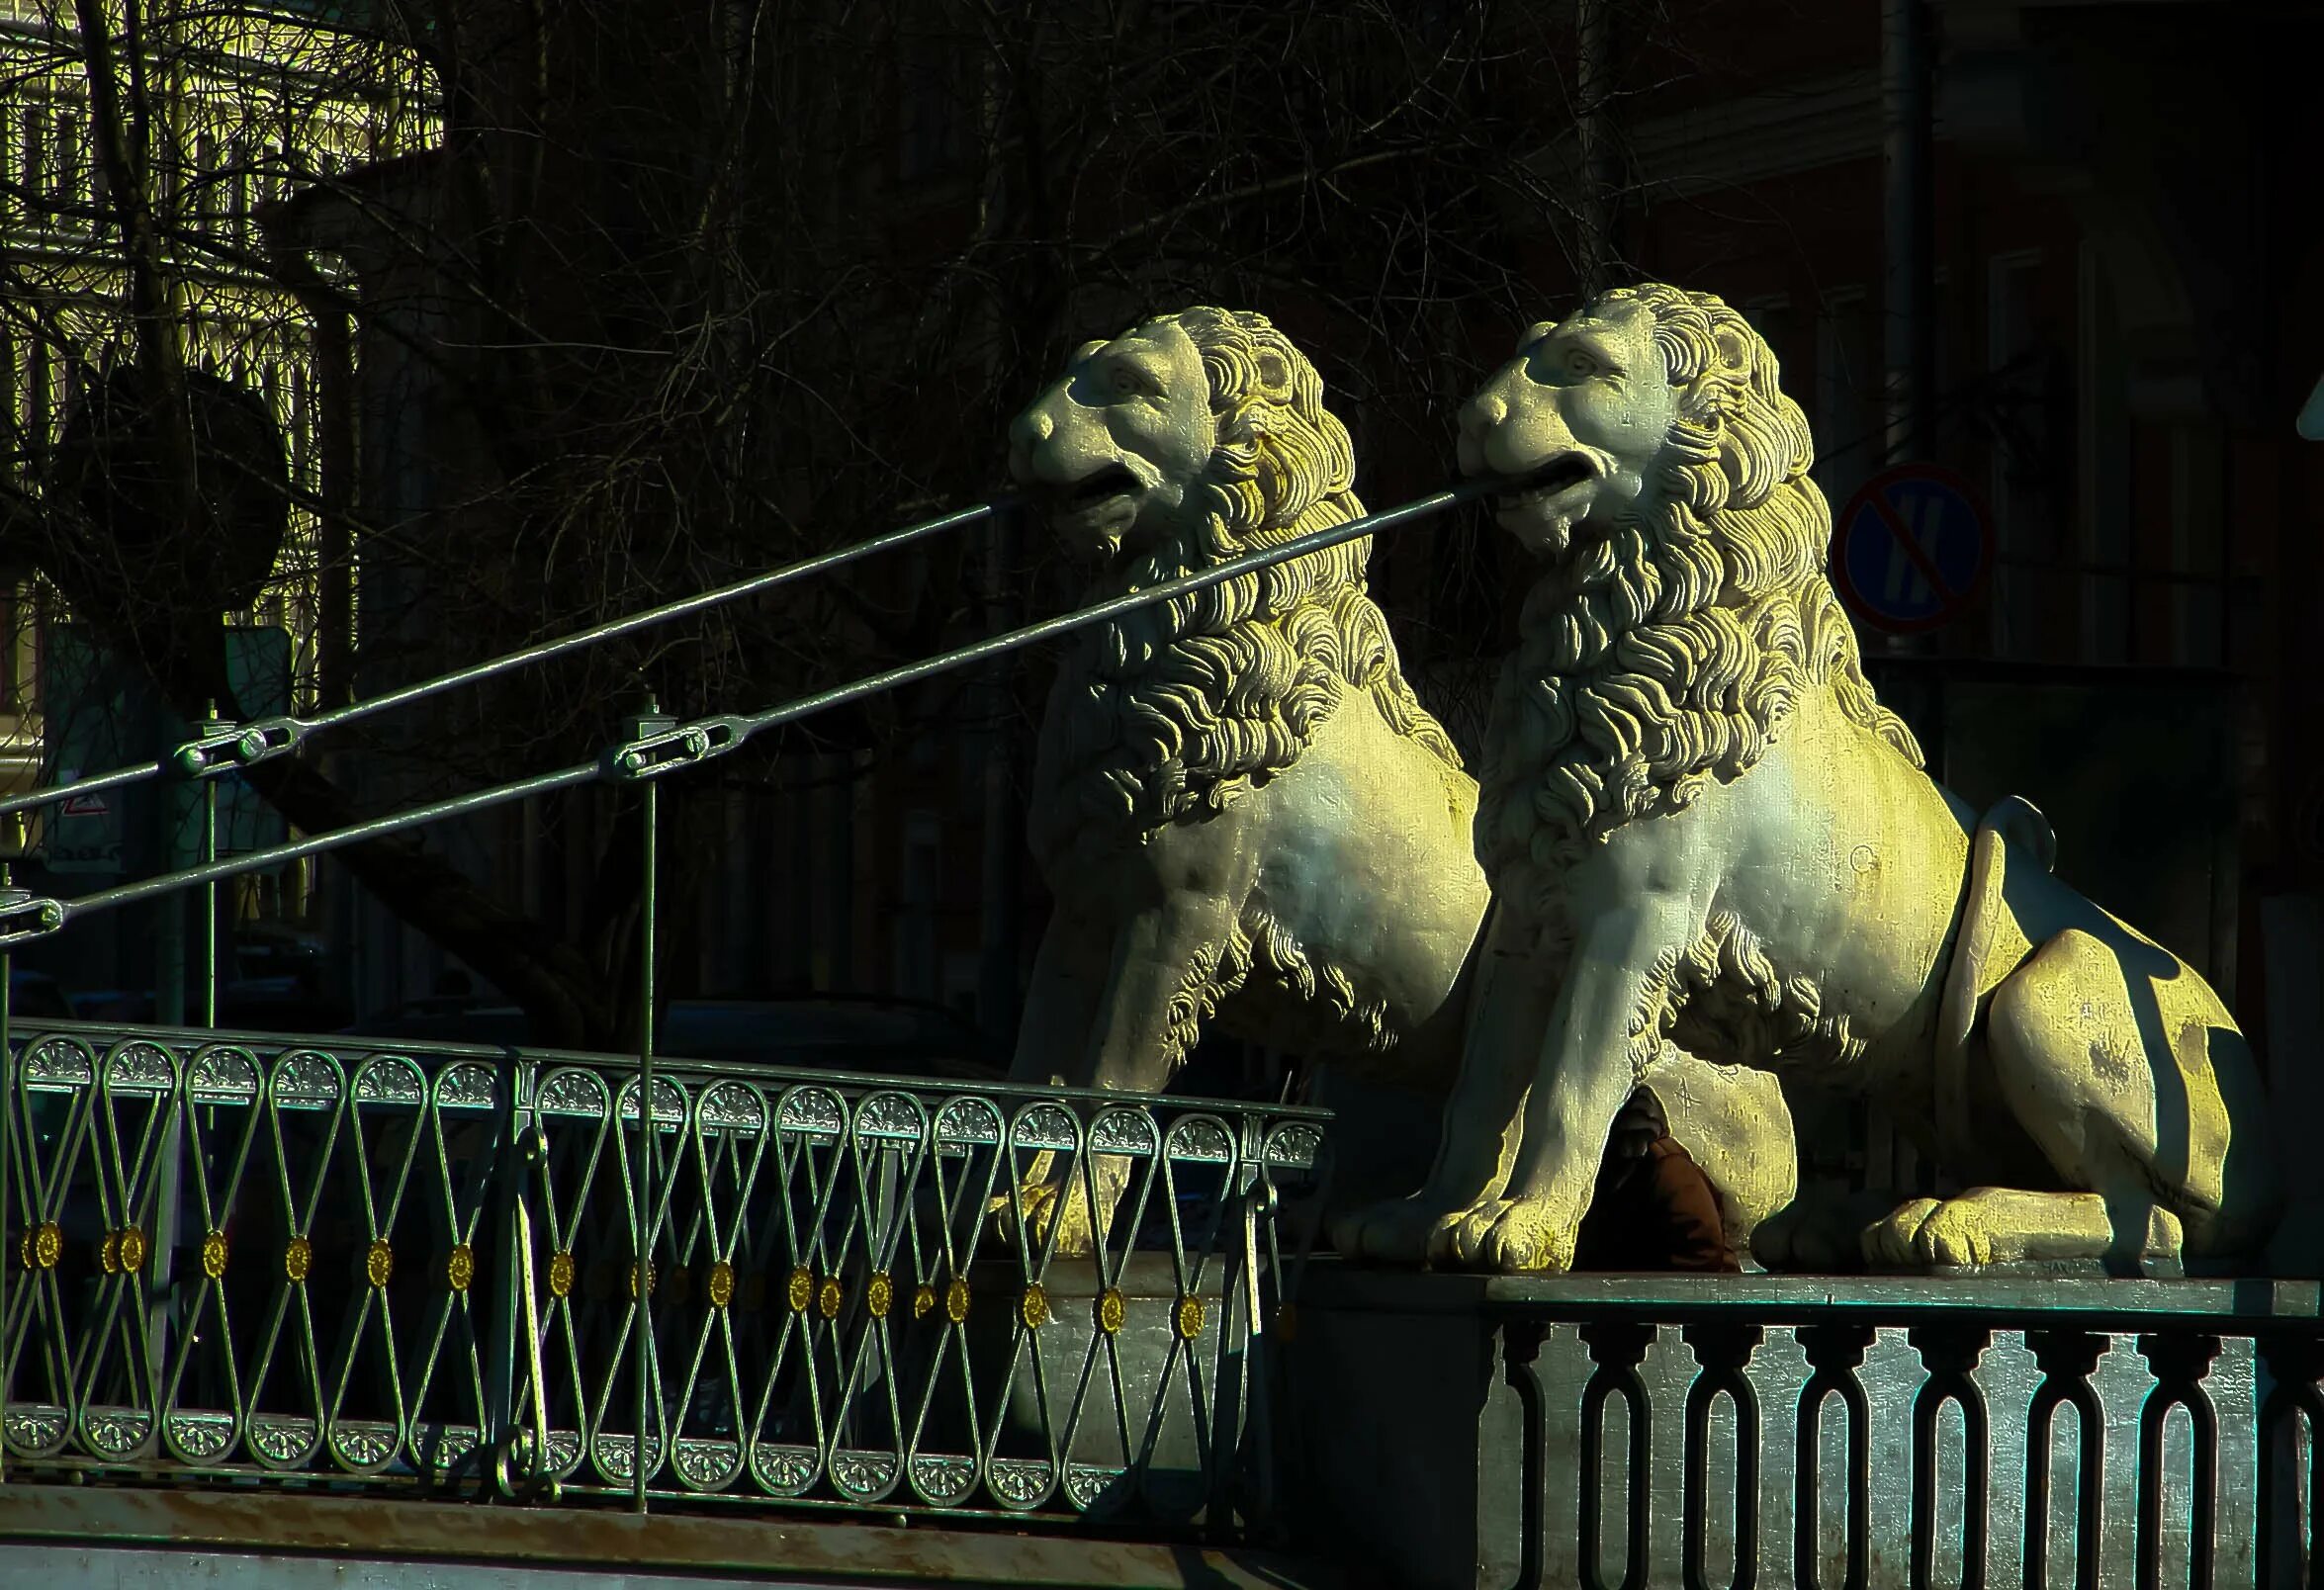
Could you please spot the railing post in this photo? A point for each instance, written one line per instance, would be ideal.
(650, 721)
(211, 727)
(169, 1009)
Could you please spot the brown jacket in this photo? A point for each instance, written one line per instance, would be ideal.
(1663, 1214)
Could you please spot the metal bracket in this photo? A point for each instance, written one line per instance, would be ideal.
(222, 747)
(25, 917)
(659, 744)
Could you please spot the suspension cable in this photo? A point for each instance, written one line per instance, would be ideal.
(264, 739)
(687, 744)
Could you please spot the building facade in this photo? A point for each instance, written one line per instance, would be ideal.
(226, 111)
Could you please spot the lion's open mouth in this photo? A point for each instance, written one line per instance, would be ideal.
(1560, 474)
(1111, 482)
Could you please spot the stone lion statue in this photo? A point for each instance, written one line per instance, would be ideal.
(1703, 827)
(1242, 810)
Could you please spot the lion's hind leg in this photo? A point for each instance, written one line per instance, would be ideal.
(2125, 1072)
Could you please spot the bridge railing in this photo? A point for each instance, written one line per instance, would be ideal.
(102, 1384)
(421, 1270)
(1646, 1431)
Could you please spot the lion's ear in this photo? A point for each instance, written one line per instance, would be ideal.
(1275, 371)
(1734, 347)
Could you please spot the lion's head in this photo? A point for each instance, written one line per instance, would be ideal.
(1190, 433)
(1186, 441)
(1661, 475)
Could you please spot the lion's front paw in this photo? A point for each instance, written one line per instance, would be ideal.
(1046, 1203)
(1039, 1208)
(1511, 1236)
(1926, 1231)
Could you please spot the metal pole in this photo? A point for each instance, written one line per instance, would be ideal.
(1906, 102)
(169, 919)
(210, 724)
(177, 803)
(642, 1246)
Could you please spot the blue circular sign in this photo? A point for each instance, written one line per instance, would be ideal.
(1911, 550)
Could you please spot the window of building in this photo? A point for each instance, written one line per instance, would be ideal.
(1850, 439)
(2198, 546)
(919, 885)
(72, 163)
(2102, 467)
(2015, 420)
(1773, 318)
(33, 156)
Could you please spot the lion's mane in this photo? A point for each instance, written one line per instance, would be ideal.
(1666, 650)
(1173, 711)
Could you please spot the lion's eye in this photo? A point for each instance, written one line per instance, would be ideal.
(1581, 365)
(1128, 379)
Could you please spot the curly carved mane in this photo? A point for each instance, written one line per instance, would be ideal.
(1175, 710)
(1668, 652)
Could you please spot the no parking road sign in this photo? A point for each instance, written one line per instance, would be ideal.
(1911, 550)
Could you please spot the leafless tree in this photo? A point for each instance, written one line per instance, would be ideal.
(672, 295)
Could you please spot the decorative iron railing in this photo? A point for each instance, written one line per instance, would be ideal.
(419, 1269)
(1644, 1430)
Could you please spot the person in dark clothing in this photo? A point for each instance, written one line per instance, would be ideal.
(1653, 1209)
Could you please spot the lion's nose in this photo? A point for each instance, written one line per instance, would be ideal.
(1030, 428)
(1478, 416)
(1482, 413)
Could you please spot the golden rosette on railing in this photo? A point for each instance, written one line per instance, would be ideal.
(41, 1247)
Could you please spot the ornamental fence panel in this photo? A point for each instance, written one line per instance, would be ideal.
(461, 1270)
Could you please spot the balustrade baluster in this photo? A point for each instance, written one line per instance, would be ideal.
(1950, 1354)
(1723, 1351)
(2179, 1363)
(2288, 1519)
(1618, 1348)
(2067, 1360)
(1834, 1354)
